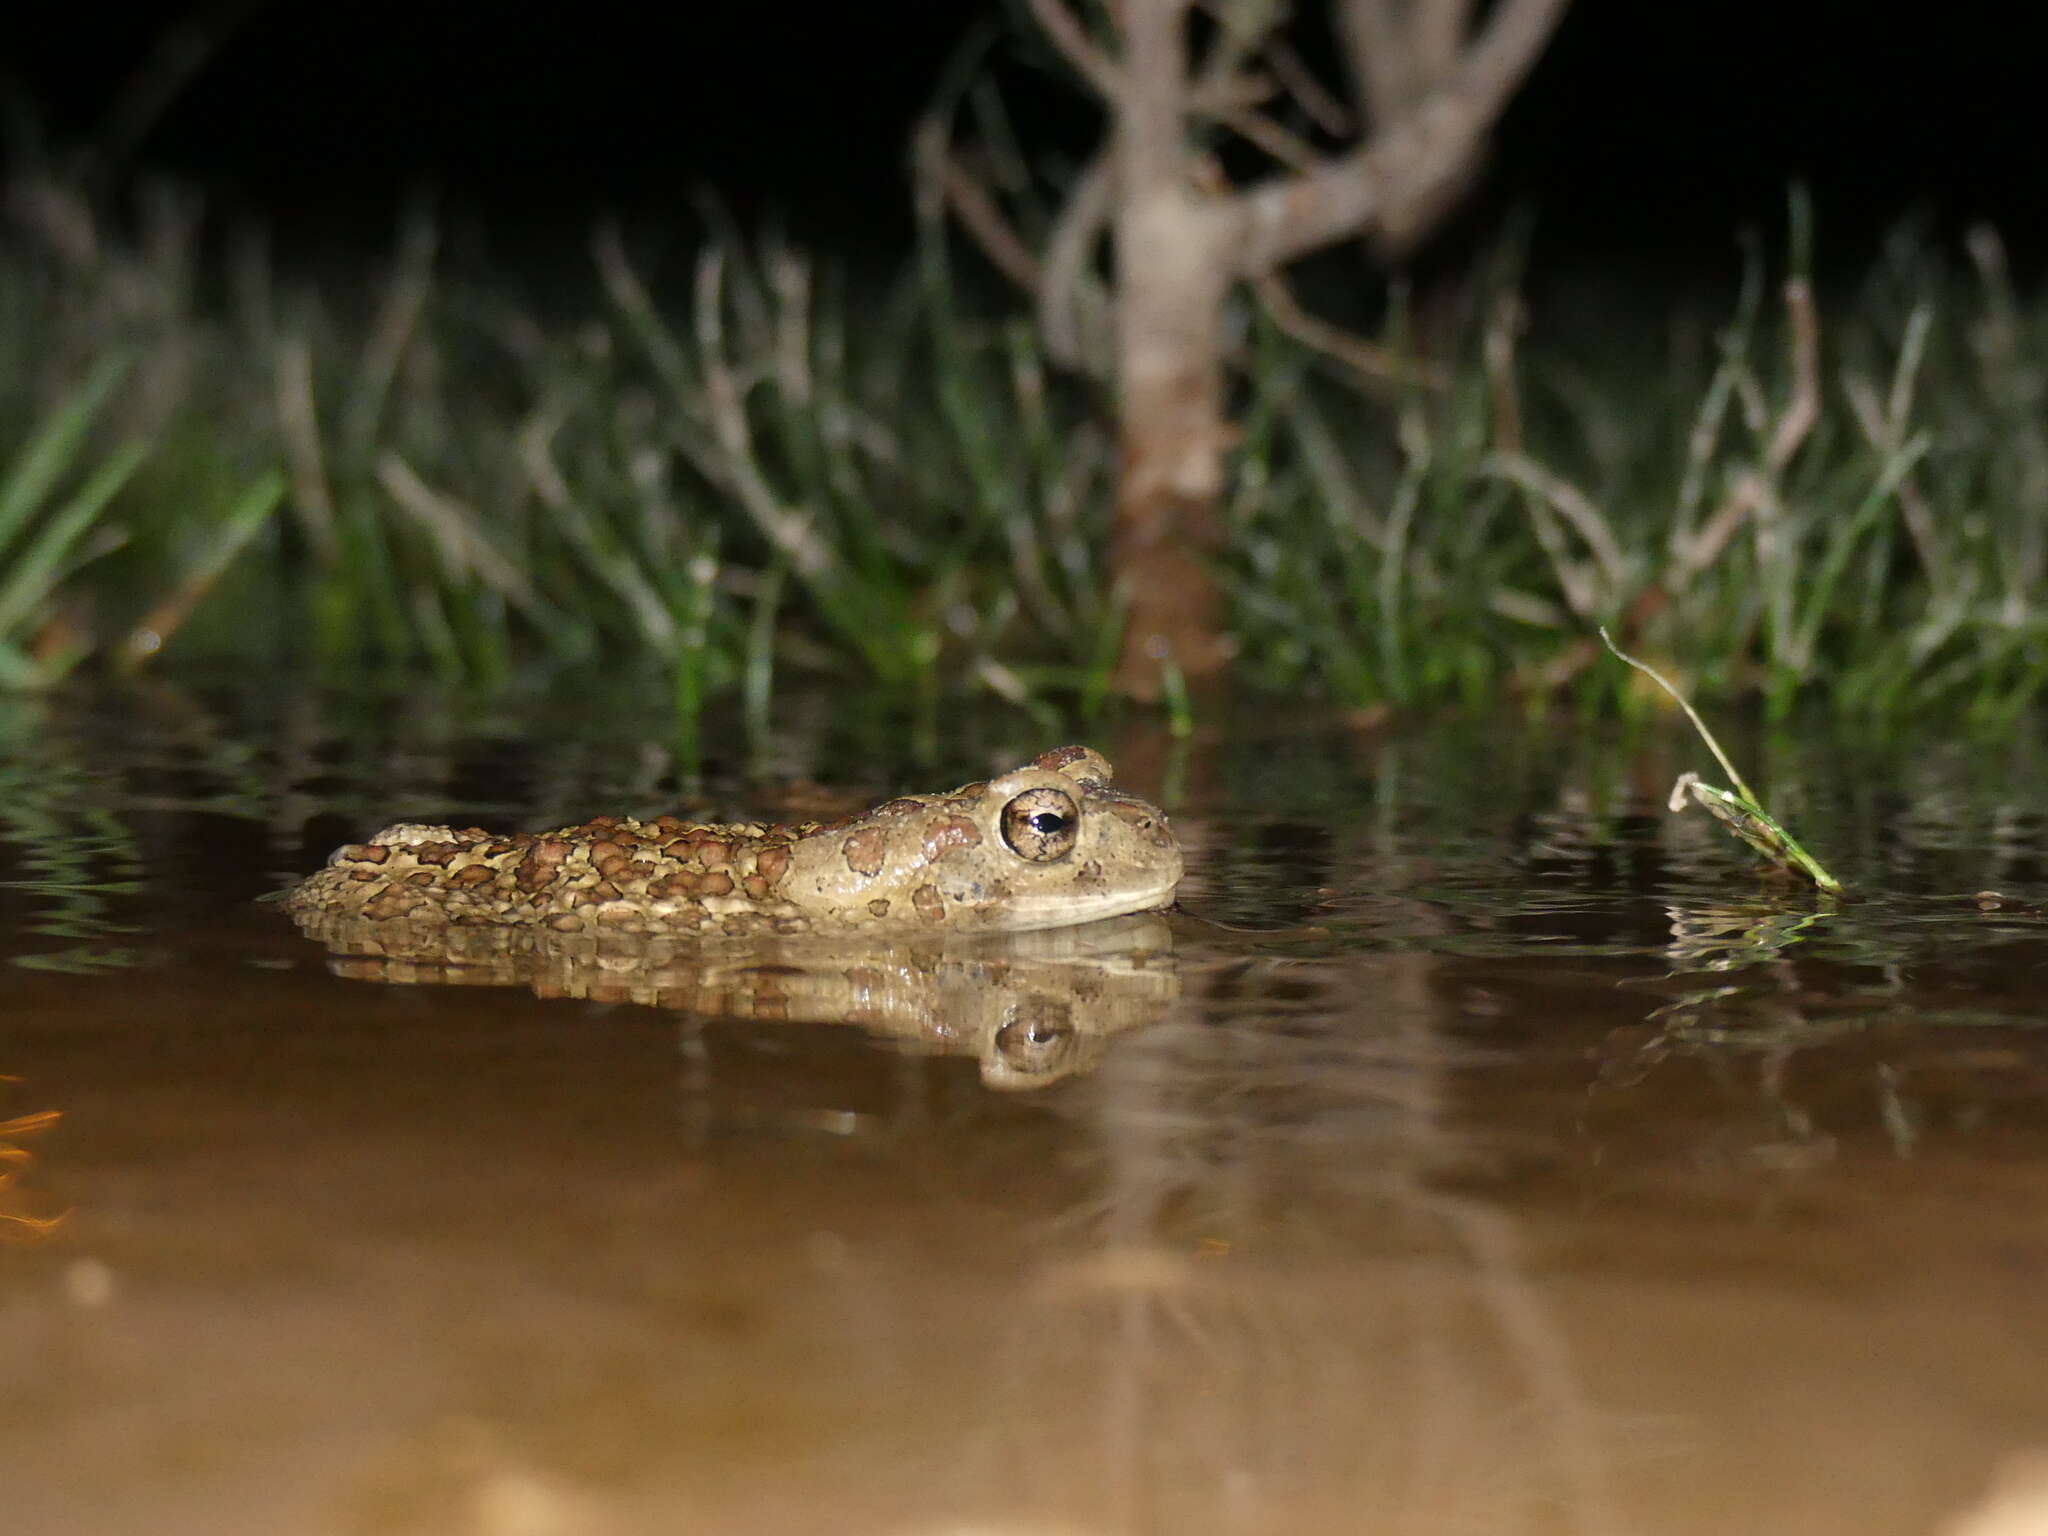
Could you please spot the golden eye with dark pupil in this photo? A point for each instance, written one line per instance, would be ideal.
(1040, 825)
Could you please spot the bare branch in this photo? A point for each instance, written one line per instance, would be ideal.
(976, 206)
(1399, 51)
(1375, 362)
(1375, 49)
(1241, 30)
(1255, 128)
(1067, 34)
(1307, 92)
(1072, 314)
(1287, 216)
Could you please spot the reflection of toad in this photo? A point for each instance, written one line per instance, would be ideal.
(1048, 844)
(1031, 1007)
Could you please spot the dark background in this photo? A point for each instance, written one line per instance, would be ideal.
(1649, 134)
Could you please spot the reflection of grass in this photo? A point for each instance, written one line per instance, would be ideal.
(717, 476)
(51, 810)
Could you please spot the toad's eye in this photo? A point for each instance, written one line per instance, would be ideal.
(1040, 825)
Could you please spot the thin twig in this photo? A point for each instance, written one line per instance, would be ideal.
(1288, 148)
(1504, 328)
(1802, 409)
(298, 421)
(790, 529)
(977, 209)
(1072, 314)
(1573, 505)
(1070, 37)
(1307, 92)
(1366, 357)
(1914, 509)
(456, 529)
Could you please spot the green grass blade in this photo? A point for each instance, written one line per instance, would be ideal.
(47, 455)
(33, 573)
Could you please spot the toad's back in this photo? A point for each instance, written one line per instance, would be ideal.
(1050, 843)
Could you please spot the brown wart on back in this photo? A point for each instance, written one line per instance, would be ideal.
(1050, 843)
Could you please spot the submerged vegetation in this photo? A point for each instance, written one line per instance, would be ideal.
(747, 468)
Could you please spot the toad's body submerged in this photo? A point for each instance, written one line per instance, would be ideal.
(1048, 844)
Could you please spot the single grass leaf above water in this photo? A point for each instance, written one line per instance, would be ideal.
(1738, 810)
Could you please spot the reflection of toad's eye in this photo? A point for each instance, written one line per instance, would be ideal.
(1041, 824)
(1037, 1037)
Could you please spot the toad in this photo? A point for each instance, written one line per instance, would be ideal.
(1042, 846)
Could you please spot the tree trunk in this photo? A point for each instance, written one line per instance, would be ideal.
(1172, 279)
(1172, 273)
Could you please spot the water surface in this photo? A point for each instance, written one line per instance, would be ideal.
(1483, 1150)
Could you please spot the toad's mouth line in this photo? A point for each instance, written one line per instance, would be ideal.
(1056, 910)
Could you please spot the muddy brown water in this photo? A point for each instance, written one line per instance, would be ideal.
(1483, 1150)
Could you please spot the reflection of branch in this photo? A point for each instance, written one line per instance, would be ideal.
(1541, 1347)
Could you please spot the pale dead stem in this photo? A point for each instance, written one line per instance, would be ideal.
(391, 335)
(721, 398)
(544, 477)
(1757, 491)
(456, 531)
(298, 421)
(2019, 389)
(1552, 498)
(791, 530)
(1884, 428)
(789, 277)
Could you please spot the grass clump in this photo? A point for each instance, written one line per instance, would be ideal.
(1848, 506)
(740, 470)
